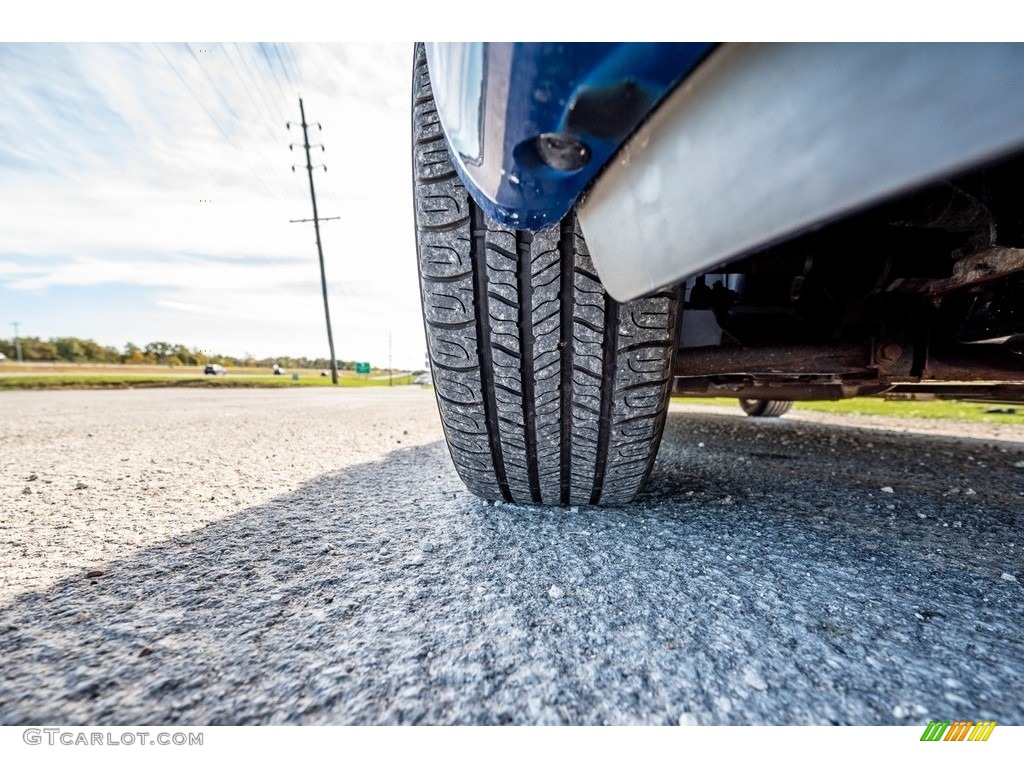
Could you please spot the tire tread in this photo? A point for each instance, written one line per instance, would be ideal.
(550, 391)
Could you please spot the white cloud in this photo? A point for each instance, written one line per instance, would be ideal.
(106, 152)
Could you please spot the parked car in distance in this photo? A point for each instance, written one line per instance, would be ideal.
(215, 369)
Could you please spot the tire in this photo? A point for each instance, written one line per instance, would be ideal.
(550, 391)
(766, 409)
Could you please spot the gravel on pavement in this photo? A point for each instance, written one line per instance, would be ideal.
(309, 556)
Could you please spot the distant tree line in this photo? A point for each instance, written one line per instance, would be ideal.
(73, 350)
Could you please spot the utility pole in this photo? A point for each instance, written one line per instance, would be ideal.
(17, 341)
(390, 372)
(316, 225)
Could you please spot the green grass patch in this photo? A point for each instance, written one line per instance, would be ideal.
(130, 381)
(950, 410)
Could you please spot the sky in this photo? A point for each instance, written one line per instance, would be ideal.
(146, 192)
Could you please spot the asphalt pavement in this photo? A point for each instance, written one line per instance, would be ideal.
(309, 556)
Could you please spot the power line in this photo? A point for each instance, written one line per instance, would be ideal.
(271, 102)
(223, 99)
(267, 106)
(226, 103)
(241, 80)
(319, 247)
(294, 64)
(258, 85)
(255, 100)
(287, 85)
(193, 93)
(293, 74)
(330, 195)
(212, 118)
(273, 72)
(290, 55)
(284, 69)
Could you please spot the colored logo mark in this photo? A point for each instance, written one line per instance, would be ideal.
(958, 730)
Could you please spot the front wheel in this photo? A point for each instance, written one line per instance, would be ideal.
(550, 391)
(767, 409)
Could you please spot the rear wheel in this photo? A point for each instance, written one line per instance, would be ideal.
(550, 391)
(768, 409)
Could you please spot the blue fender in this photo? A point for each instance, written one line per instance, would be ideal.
(530, 125)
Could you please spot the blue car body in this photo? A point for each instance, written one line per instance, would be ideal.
(679, 157)
(532, 124)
